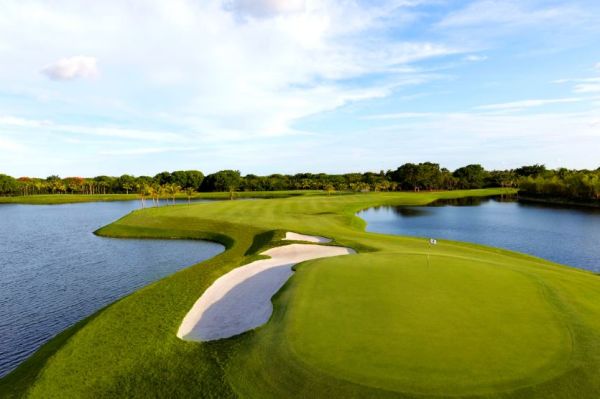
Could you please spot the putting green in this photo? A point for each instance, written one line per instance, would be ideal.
(443, 326)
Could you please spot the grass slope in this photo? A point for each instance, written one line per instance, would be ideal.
(400, 320)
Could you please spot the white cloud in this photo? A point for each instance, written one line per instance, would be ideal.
(517, 105)
(587, 87)
(583, 85)
(146, 150)
(12, 121)
(78, 67)
(475, 58)
(494, 13)
(495, 140)
(399, 115)
(33, 125)
(198, 66)
(529, 25)
(265, 8)
(597, 66)
(7, 145)
(232, 75)
(579, 80)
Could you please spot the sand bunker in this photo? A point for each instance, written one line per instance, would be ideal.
(241, 299)
(303, 237)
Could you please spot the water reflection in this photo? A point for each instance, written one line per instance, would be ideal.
(568, 235)
(473, 201)
(409, 212)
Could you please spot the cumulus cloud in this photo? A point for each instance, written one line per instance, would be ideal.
(78, 67)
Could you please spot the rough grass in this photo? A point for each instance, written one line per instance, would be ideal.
(400, 320)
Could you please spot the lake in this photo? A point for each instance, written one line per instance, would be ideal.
(570, 236)
(54, 271)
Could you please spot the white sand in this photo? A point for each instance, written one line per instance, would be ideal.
(303, 237)
(241, 299)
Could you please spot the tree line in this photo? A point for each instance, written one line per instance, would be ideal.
(532, 180)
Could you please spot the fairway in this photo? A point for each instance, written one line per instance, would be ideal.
(401, 319)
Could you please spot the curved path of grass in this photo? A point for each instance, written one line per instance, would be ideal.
(402, 319)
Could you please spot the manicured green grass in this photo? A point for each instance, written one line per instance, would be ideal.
(402, 319)
(397, 326)
(52, 199)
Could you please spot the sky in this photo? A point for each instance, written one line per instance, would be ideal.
(273, 86)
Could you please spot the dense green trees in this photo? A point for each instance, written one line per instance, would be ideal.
(8, 184)
(533, 181)
(224, 180)
(531, 170)
(187, 179)
(471, 176)
(126, 183)
(422, 176)
(568, 185)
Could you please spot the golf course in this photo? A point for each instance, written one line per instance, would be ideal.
(394, 317)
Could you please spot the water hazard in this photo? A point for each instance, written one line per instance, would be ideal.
(54, 271)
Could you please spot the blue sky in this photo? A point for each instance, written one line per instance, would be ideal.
(273, 86)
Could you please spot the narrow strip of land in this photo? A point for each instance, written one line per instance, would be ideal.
(241, 299)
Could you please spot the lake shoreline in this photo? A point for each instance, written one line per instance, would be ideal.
(520, 226)
(558, 202)
(60, 199)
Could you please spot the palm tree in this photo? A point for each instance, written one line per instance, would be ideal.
(172, 189)
(153, 190)
(127, 187)
(144, 190)
(189, 192)
(104, 185)
(161, 192)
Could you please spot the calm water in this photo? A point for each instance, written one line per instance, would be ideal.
(569, 236)
(55, 272)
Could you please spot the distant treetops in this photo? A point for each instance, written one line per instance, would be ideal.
(533, 180)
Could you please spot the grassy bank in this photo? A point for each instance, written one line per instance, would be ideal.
(401, 319)
(54, 199)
